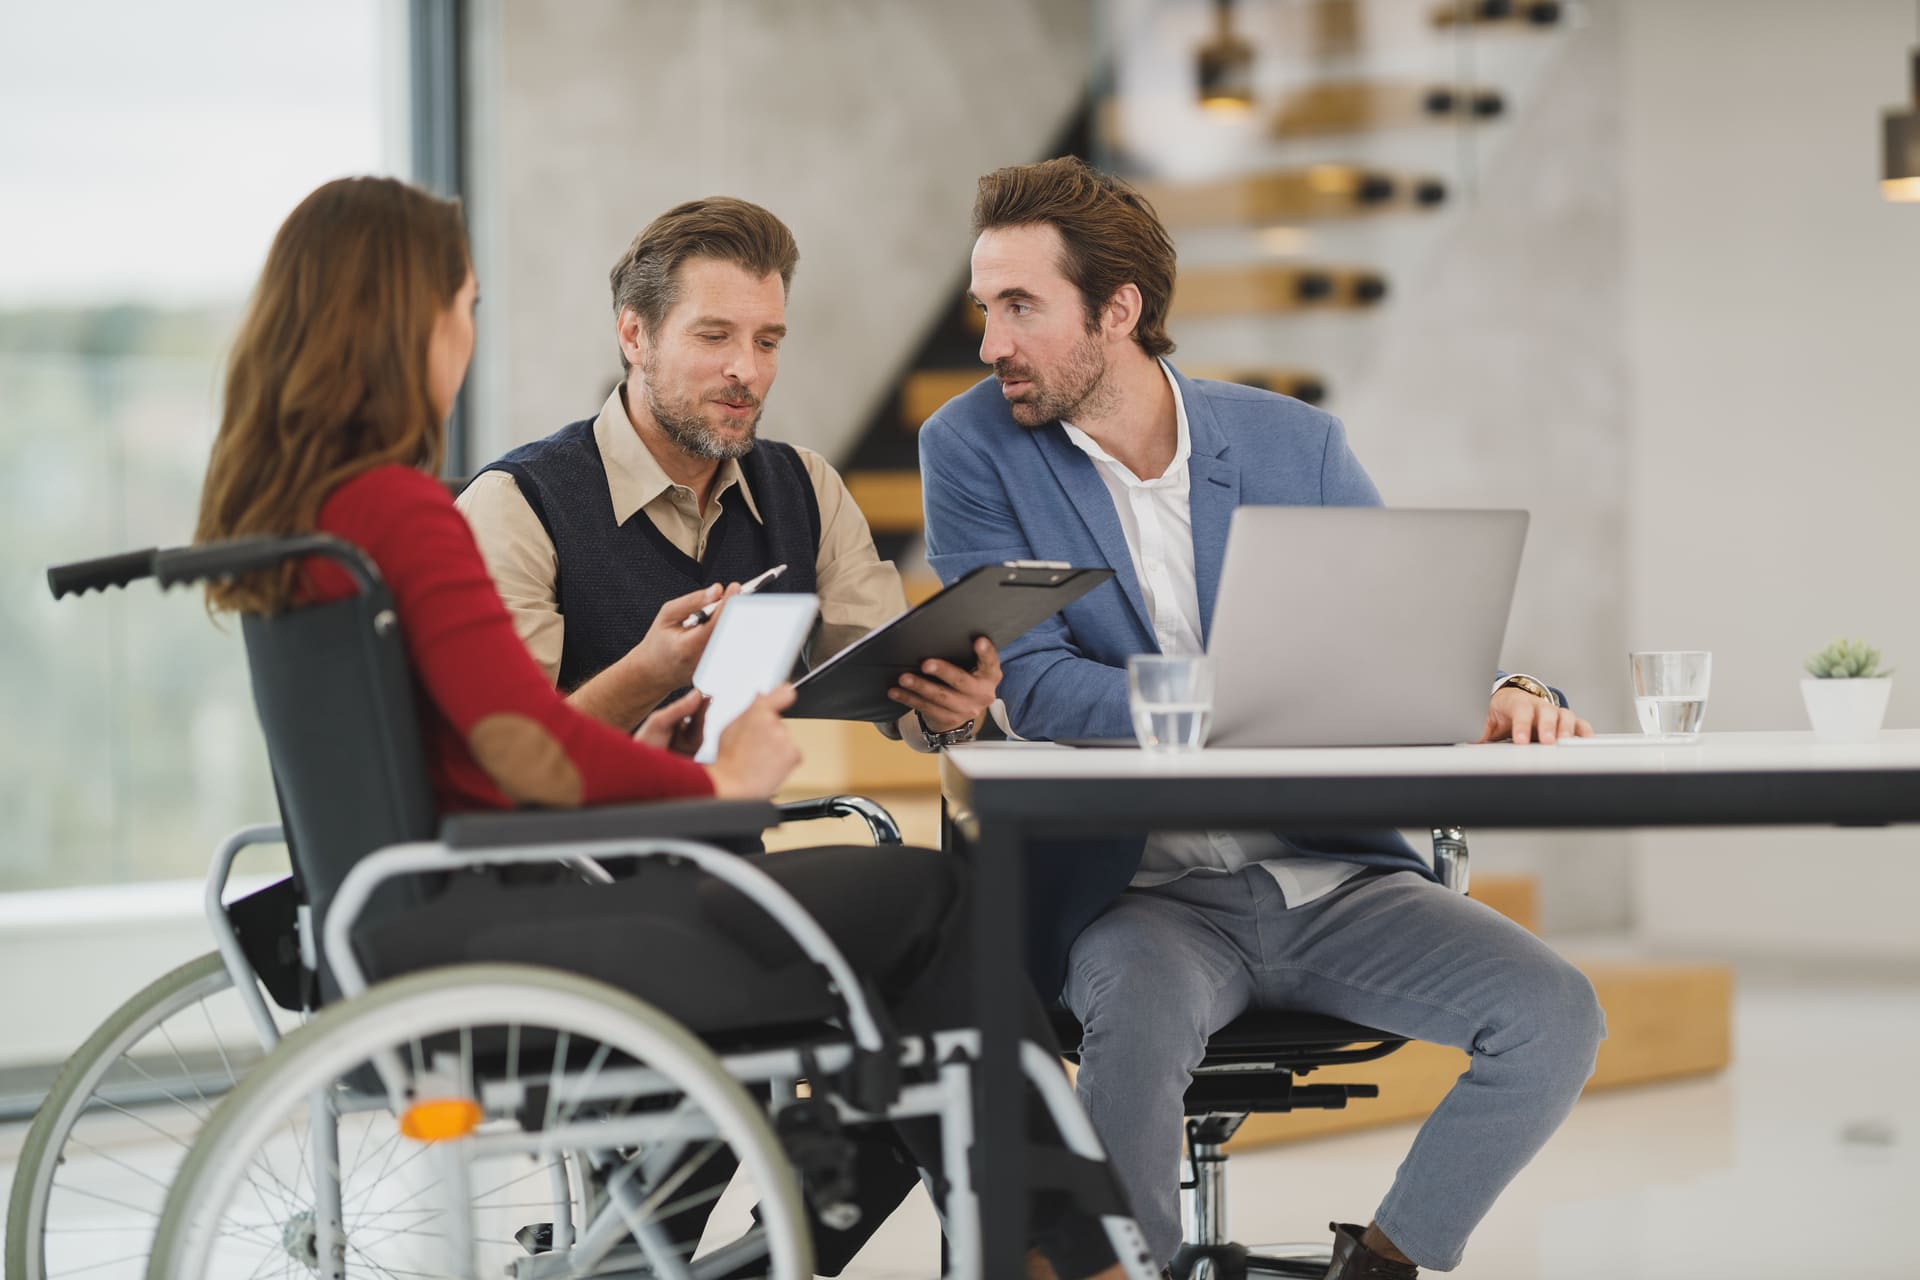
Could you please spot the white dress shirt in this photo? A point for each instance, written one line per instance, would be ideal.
(1157, 518)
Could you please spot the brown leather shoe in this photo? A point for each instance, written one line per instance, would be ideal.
(1354, 1261)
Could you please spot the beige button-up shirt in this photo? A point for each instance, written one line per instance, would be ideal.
(858, 590)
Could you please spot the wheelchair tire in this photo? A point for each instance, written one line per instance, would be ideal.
(413, 1024)
(101, 1068)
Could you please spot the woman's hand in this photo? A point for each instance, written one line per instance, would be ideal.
(756, 751)
(679, 726)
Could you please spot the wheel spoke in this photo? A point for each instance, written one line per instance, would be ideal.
(72, 1190)
(551, 1164)
(161, 1087)
(97, 1154)
(220, 1048)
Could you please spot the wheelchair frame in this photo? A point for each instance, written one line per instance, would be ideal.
(865, 1065)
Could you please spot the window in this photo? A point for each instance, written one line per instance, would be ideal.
(162, 147)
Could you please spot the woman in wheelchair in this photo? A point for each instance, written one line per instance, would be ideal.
(341, 379)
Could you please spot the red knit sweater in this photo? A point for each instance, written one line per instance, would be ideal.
(495, 731)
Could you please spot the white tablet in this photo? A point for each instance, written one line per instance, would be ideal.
(755, 642)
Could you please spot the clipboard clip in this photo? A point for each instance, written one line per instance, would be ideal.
(1024, 573)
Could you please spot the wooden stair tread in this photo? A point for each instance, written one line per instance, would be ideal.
(1262, 288)
(1529, 15)
(1665, 1021)
(1291, 195)
(1358, 106)
(890, 500)
(925, 390)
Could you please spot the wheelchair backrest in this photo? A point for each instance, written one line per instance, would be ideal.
(337, 704)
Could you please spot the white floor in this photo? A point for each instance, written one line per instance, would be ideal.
(1803, 1160)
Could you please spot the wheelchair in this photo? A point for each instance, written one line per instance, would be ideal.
(315, 1116)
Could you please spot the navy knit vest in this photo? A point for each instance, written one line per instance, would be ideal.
(613, 578)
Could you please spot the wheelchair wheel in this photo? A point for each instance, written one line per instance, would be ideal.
(94, 1168)
(485, 1120)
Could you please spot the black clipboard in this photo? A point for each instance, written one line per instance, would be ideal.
(999, 601)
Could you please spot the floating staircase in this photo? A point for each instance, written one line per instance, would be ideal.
(1326, 120)
(1349, 148)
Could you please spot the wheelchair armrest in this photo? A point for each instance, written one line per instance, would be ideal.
(677, 819)
(868, 1021)
(880, 823)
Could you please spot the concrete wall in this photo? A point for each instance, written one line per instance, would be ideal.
(862, 123)
(1773, 334)
(1499, 377)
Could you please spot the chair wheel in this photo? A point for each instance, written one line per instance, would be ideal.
(419, 1126)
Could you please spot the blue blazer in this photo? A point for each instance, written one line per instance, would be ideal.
(997, 491)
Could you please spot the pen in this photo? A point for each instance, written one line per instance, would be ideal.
(699, 616)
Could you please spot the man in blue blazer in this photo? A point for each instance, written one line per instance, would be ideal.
(1087, 446)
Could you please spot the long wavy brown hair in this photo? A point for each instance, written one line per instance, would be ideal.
(328, 376)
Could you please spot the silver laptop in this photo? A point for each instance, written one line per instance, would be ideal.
(1360, 626)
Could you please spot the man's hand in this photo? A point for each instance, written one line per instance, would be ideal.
(669, 652)
(947, 697)
(1517, 714)
(662, 662)
(679, 726)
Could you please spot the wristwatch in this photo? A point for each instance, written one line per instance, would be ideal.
(1527, 684)
(945, 738)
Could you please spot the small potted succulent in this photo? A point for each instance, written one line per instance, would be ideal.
(1846, 692)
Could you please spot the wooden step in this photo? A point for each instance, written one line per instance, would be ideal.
(1515, 897)
(1360, 106)
(973, 318)
(1297, 383)
(1664, 1022)
(843, 755)
(925, 390)
(1265, 289)
(889, 499)
(1529, 14)
(920, 587)
(1291, 195)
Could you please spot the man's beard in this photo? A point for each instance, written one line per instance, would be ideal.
(685, 423)
(1078, 386)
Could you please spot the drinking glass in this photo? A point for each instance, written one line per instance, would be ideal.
(1171, 699)
(1670, 692)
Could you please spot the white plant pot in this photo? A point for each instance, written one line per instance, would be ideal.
(1845, 710)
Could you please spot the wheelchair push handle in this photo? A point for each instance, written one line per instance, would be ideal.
(184, 566)
(102, 574)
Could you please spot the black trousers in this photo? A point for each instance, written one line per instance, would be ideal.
(711, 958)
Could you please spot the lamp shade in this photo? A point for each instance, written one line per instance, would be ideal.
(1900, 147)
(1900, 174)
(1225, 79)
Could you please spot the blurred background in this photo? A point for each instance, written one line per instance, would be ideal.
(1626, 263)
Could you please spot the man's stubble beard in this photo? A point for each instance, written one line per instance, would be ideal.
(685, 424)
(1082, 389)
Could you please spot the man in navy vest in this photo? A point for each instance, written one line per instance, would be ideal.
(604, 536)
(1087, 445)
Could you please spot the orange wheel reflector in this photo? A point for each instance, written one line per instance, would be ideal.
(440, 1119)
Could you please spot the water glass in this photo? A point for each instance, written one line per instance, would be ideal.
(1171, 699)
(1670, 692)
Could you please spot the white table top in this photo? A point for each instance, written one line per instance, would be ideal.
(1896, 749)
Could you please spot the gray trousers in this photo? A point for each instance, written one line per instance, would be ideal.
(1165, 967)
